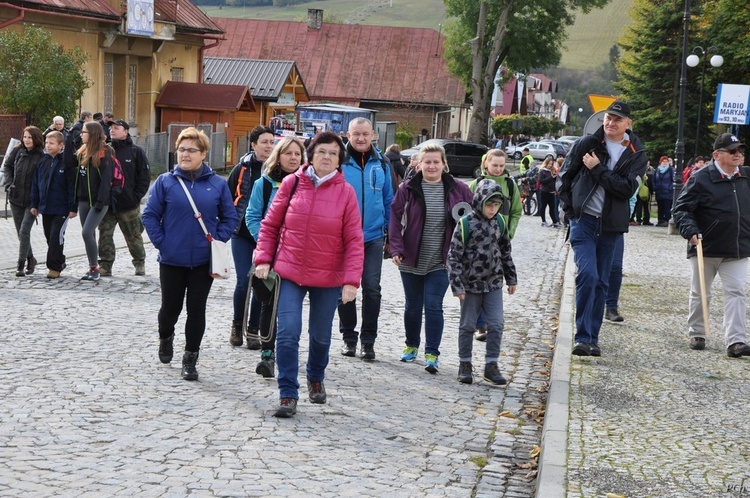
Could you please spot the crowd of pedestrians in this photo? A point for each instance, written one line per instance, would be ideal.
(317, 222)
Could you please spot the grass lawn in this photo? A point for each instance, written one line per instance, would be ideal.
(407, 13)
(593, 34)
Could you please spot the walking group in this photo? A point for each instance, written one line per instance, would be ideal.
(93, 171)
(317, 220)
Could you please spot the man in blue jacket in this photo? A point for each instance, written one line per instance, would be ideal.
(599, 176)
(368, 172)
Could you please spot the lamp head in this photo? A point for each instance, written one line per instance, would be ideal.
(693, 60)
(717, 61)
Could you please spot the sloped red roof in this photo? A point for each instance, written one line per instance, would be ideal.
(183, 95)
(93, 8)
(349, 62)
(185, 15)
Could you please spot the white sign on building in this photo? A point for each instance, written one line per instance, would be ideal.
(732, 103)
(141, 17)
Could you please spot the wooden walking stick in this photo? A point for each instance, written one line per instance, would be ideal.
(702, 280)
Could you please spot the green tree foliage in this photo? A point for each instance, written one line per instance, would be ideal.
(530, 125)
(38, 78)
(520, 33)
(724, 28)
(649, 77)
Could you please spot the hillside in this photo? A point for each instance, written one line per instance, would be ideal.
(587, 46)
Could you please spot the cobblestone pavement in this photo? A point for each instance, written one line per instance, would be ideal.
(88, 410)
(652, 418)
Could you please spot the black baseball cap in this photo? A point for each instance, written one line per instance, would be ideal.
(727, 141)
(619, 108)
(120, 122)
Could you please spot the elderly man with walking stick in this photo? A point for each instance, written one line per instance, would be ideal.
(713, 213)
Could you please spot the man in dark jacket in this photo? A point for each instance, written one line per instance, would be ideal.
(714, 206)
(600, 175)
(126, 206)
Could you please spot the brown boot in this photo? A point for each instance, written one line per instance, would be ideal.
(235, 336)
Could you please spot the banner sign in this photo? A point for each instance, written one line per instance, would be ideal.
(141, 17)
(732, 103)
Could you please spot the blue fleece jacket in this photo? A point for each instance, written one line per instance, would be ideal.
(170, 221)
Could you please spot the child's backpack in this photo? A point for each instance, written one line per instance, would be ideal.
(464, 224)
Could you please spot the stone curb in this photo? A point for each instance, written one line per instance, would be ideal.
(552, 476)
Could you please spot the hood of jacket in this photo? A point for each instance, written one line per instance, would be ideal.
(484, 191)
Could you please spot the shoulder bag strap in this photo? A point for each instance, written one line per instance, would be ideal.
(195, 209)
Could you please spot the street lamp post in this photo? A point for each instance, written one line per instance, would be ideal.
(692, 61)
(679, 148)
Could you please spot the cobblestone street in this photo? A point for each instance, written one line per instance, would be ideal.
(88, 410)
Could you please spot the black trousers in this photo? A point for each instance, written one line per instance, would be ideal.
(53, 224)
(176, 282)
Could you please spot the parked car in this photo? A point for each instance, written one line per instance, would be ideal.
(543, 150)
(464, 158)
(516, 151)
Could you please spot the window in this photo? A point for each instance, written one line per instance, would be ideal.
(109, 69)
(177, 73)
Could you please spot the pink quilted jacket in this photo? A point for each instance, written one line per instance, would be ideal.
(321, 242)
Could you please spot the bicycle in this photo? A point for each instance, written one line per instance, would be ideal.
(528, 201)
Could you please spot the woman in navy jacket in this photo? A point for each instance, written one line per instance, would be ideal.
(184, 250)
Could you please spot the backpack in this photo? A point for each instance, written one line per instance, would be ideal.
(117, 185)
(464, 224)
(643, 192)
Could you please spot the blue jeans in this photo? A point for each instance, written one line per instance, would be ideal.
(323, 301)
(490, 304)
(593, 251)
(373, 266)
(242, 253)
(424, 292)
(615, 274)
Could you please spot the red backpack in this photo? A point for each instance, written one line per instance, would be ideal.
(117, 185)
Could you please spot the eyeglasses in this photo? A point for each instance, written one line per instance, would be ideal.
(84, 132)
(191, 150)
(736, 151)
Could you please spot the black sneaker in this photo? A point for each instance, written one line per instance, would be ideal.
(738, 349)
(582, 349)
(166, 349)
(698, 343)
(465, 372)
(349, 349)
(595, 350)
(492, 374)
(613, 316)
(287, 408)
(368, 352)
(267, 364)
(317, 391)
(91, 276)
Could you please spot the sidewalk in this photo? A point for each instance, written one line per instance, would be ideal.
(650, 417)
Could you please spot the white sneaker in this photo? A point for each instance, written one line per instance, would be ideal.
(545, 224)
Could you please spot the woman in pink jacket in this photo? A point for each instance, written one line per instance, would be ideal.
(312, 237)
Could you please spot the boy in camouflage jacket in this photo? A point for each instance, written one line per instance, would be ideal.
(479, 258)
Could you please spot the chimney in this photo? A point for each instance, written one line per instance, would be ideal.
(314, 19)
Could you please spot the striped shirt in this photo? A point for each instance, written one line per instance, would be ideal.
(433, 235)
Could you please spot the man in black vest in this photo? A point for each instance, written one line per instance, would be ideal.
(126, 207)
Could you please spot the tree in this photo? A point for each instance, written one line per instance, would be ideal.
(526, 33)
(719, 27)
(38, 78)
(516, 124)
(650, 75)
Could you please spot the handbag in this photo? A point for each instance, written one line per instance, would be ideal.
(220, 251)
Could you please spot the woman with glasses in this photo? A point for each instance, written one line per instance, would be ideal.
(19, 172)
(92, 187)
(184, 250)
